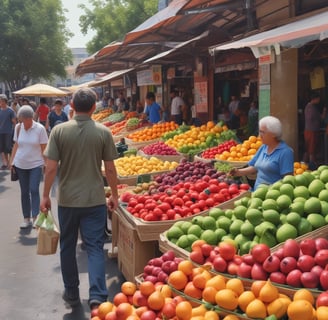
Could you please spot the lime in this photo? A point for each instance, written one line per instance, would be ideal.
(301, 180)
(174, 232)
(293, 218)
(197, 220)
(255, 203)
(209, 223)
(228, 238)
(312, 205)
(245, 247)
(289, 179)
(268, 238)
(283, 202)
(229, 213)
(174, 240)
(304, 227)
(270, 204)
(192, 238)
(283, 218)
(263, 227)
(245, 201)
(301, 191)
(216, 213)
(315, 187)
(254, 216)
(288, 190)
(309, 176)
(183, 241)
(272, 216)
(323, 195)
(316, 220)
(220, 233)
(235, 227)
(185, 226)
(326, 218)
(195, 229)
(210, 237)
(239, 212)
(297, 207)
(260, 192)
(247, 229)
(299, 199)
(322, 168)
(179, 223)
(224, 223)
(286, 231)
(272, 194)
(276, 185)
(324, 208)
(324, 176)
(240, 239)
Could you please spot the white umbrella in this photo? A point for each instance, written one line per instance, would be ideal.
(41, 90)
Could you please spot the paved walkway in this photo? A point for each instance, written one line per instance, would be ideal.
(31, 285)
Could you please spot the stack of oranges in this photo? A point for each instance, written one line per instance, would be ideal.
(243, 151)
(300, 167)
(153, 132)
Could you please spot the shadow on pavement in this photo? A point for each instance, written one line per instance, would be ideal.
(77, 313)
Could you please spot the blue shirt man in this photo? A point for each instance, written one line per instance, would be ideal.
(153, 109)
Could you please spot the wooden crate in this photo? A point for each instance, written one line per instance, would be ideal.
(170, 158)
(165, 245)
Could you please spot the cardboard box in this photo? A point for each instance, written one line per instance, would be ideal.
(133, 254)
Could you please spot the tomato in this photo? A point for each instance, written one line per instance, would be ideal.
(233, 189)
(178, 202)
(185, 198)
(139, 206)
(194, 196)
(203, 196)
(196, 210)
(209, 202)
(133, 202)
(244, 186)
(187, 185)
(164, 206)
(158, 212)
(201, 204)
(177, 216)
(150, 206)
(181, 192)
(214, 188)
(185, 211)
(188, 203)
(223, 185)
(170, 213)
(218, 198)
(164, 217)
(150, 217)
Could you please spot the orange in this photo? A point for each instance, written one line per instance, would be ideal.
(304, 294)
(186, 267)
(183, 310)
(299, 171)
(257, 286)
(230, 317)
(133, 317)
(177, 279)
(278, 307)
(128, 288)
(197, 244)
(156, 301)
(165, 290)
(227, 299)
(217, 282)
(192, 291)
(322, 313)
(208, 294)
(200, 280)
(297, 165)
(268, 292)
(104, 308)
(244, 299)
(235, 285)
(256, 309)
(198, 311)
(124, 310)
(300, 310)
(211, 315)
(252, 139)
(146, 288)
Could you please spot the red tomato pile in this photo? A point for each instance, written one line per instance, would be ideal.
(225, 146)
(183, 199)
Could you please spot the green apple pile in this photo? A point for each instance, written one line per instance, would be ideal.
(272, 214)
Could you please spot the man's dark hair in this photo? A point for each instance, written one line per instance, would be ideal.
(315, 95)
(150, 95)
(84, 99)
(43, 100)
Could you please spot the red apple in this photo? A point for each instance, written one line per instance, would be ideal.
(305, 263)
(227, 250)
(197, 256)
(173, 266)
(293, 278)
(168, 311)
(162, 276)
(278, 277)
(166, 266)
(260, 252)
(258, 272)
(288, 264)
(279, 253)
(308, 247)
(317, 269)
(321, 243)
(324, 279)
(291, 248)
(310, 280)
(244, 270)
(148, 315)
(248, 258)
(151, 278)
(232, 268)
(148, 269)
(220, 264)
(321, 257)
(322, 300)
(206, 249)
(157, 262)
(156, 271)
(139, 300)
(168, 255)
(237, 259)
(271, 264)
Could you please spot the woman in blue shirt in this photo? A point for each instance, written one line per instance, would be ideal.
(153, 109)
(274, 159)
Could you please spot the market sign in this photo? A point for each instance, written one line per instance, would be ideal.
(157, 74)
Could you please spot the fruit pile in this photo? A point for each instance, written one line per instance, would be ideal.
(153, 132)
(212, 152)
(300, 167)
(241, 152)
(159, 148)
(135, 165)
(200, 138)
(287, 209)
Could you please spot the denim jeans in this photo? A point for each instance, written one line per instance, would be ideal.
(29, 181)
(91, 222)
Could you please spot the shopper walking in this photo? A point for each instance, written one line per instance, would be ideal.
(177, 104)
(80, 145)
(57, 115)
(42, 111)
(7, 122)
(27, 156)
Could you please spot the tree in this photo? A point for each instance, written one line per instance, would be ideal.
(33, 41)
(112, 19)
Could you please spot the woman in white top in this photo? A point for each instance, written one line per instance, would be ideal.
(27, 156)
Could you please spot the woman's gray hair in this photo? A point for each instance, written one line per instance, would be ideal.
(273, 125)
(25, 112)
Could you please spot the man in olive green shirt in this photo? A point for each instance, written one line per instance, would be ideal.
(80, 146)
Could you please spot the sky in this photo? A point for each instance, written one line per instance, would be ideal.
(78, 40)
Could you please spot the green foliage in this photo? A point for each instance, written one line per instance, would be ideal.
(33, 41)
(112, 19)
